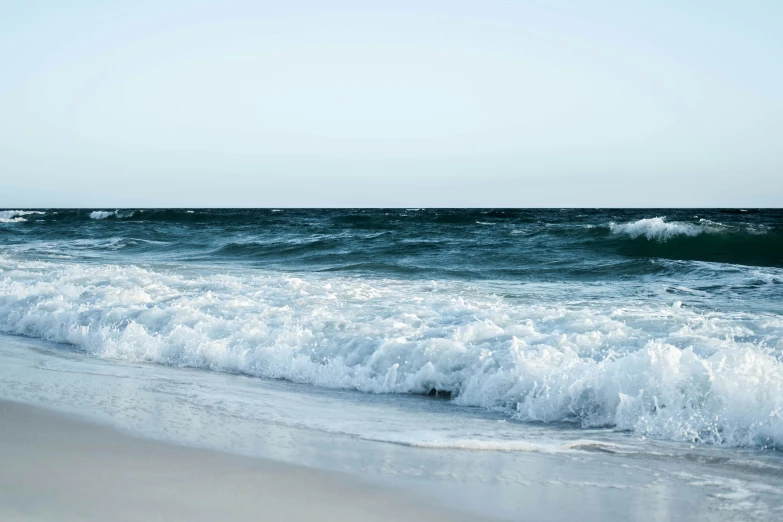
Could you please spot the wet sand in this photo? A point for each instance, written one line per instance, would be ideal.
(57, 468)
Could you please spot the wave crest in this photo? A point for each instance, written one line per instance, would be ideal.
(119, 214)
(658, 229)
(15, 216)
(703, 241)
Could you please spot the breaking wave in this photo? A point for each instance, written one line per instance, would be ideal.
(702, 241)
(16, 216)
(657, 229)
(119, 214)
(668, 372)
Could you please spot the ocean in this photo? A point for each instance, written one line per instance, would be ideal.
(652, 334)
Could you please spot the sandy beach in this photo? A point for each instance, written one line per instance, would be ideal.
(57, 468)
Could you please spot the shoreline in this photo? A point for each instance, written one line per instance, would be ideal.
(57, 467)
(75, 431)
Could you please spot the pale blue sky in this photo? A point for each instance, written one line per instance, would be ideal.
(304, 103)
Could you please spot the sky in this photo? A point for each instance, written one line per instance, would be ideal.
(405, 103)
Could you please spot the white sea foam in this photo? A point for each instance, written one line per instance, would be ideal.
(102, 214)
(15, 216)
(659, 229)
(667, 372)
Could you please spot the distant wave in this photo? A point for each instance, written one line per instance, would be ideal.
(120, 214)
(656, 229)
(668, 372)
(175, 216)
(702, 241)
(15, 216)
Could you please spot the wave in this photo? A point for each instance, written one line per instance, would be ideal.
(656, 229)
(669, 372)
(119, 214)
(186, 216)
(702, 241)
(16, 216)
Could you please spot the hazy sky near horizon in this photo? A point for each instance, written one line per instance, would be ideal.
(405, 103)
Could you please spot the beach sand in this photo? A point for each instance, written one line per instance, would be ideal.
(57, 468)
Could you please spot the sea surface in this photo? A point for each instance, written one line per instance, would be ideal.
(652, 334)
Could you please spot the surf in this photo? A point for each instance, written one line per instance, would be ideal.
(658, 370)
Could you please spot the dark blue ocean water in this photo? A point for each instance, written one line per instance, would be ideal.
(709, 248)
(559, 244)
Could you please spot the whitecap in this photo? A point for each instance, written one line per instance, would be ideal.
(656, 228)
(15, 216)
(119, 214)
